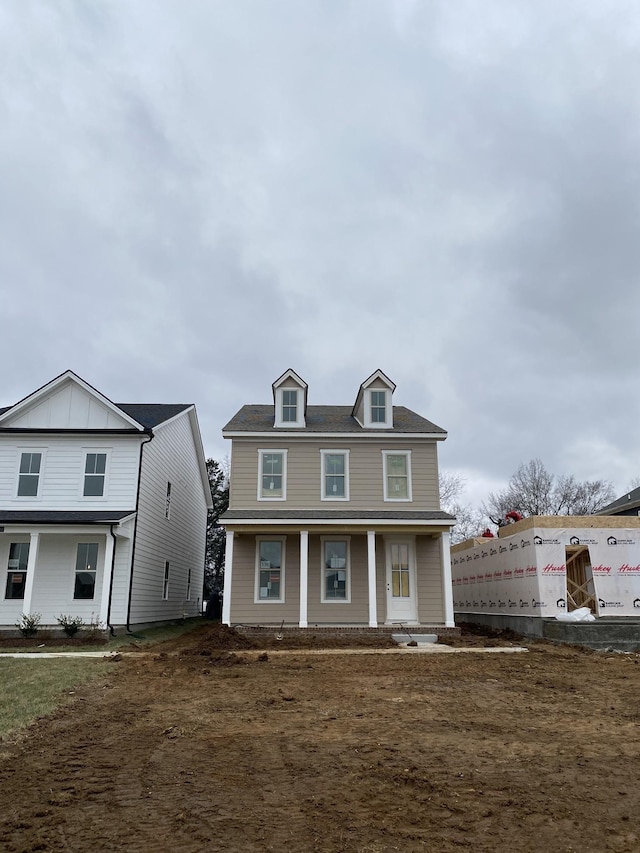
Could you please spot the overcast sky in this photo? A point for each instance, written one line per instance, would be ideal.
(196, 196)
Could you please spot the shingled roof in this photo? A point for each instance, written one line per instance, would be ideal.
(323, 419)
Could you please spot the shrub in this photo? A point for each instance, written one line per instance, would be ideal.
(70, 624)
(29, 624)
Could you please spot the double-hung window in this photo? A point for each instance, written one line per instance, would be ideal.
(165, 582)
(335, 475)
(17, 569)
(95, 467)
(336, 581)
(270, 570)
(289, 405)
(378, 402)
(29, 475)
(86, 567)
(272, 476)
(397, 475)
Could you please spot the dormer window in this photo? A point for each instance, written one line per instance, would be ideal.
(378, 407)
(289, 405)
(290, 401)
(373, 408)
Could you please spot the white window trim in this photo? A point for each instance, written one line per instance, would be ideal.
(323, 495)
(256, 591)
(388, 422)
(166, 580)
(299, 421)
(323, 599)
(43, 455)
(261, 455)
(385, 479)
(107, 452)
(99, 556)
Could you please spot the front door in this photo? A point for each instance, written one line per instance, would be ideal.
(402, 604)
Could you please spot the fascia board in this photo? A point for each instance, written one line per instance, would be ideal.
(358, 436)
(342, 522)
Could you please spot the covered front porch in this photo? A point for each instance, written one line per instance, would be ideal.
(55, 569)
(328, 575)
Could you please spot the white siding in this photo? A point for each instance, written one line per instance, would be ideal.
(68, 406)
(180, 539)
(62, 471)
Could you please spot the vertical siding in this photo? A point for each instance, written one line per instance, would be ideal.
(180, 539)
(304, 475)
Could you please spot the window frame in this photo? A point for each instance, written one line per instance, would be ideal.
(94, 571)
(95, 451)
(323, 474)
(167, 502)
(385, 476)
(32, 451)
(283, 551)
(17, 571)
(369, 423)
(323, 570)
(261, 457)
(165, 580)
(280, 406)
(188, 596)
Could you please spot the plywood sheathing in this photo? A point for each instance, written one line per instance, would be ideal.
(567, 522)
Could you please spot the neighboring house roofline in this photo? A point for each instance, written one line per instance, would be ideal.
(46, 516)
(630, 500)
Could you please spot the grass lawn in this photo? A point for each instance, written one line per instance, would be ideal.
(30, 689)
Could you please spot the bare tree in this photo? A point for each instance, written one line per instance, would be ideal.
(532, 490)
(451, 485)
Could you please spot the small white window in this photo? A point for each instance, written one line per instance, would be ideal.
(335, 475)
(165, 584)
(95, 467)
(335, 570)
(167, 504)
(397, 475)
(378, 401)
(272, 475)
(289, 405)
(29, 475)
(270, 552)
(189, 585)
(17, 570)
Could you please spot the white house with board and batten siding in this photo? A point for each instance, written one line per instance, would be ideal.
(103, 508)
(334, 513)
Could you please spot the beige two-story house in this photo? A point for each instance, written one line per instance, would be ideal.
(334, 516)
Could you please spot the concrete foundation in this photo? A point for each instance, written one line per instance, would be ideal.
(622, 634)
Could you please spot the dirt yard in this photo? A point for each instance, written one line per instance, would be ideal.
(209, 744)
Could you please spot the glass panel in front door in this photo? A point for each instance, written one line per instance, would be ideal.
(400, 570)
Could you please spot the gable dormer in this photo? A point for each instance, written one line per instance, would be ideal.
(67, 402)
(290, 400)
(373, 408)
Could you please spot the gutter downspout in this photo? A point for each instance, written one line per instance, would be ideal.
(135, 529)
(113, 563)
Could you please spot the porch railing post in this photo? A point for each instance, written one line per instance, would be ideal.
(371, 574)
(228, 571)
(447, 592)
(34, 544)
(304, 578)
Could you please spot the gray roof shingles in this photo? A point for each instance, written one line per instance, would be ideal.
(338, 419)
(338, 515)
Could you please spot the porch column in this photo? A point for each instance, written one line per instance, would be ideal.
(447, 592)
(106, 579)
(228, 571)
(34, 544)
(371, 573)
(304, 577)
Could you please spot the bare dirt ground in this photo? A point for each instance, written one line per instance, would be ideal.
(207, 744)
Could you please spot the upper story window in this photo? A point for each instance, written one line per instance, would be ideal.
(95, 468)
(29, 476)
(397, 475)
(378, 401)
(289, 405)
(272, 475)
(335, 475)
(167, 504)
